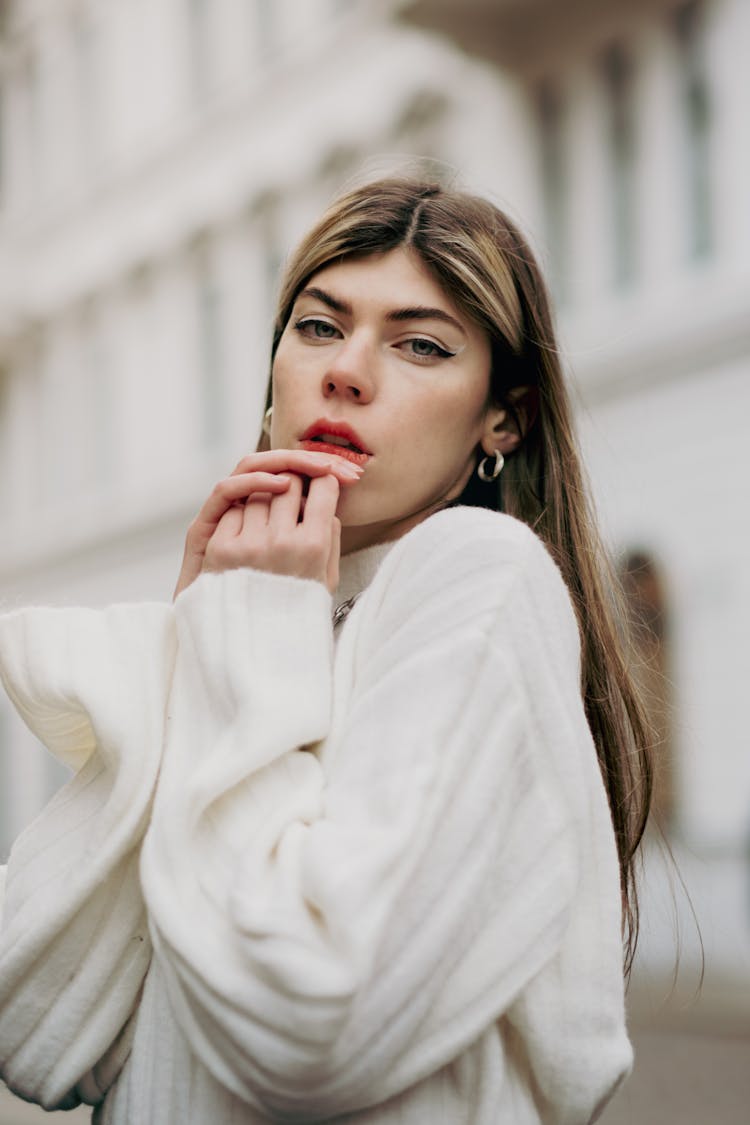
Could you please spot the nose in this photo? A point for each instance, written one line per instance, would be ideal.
(349, 374)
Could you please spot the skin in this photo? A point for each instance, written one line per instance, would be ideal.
(413, 387)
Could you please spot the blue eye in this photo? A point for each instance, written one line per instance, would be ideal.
(427, 349)
(316, 329)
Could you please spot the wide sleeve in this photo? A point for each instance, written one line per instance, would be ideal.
(337, 921)
(74, 947)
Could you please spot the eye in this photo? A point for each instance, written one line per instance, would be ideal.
(315, 329)
(420, 348)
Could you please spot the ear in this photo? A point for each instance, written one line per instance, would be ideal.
(505, 429)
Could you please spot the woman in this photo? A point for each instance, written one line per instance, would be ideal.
(369, 856)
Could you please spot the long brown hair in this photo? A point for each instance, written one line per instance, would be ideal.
(486, 267)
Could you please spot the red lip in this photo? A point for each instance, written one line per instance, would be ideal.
(338, 430)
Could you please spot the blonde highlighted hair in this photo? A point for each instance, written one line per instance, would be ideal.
(487, 269)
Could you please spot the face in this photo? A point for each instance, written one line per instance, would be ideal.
(375, 355)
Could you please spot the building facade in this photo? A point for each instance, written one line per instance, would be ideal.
(159, 157)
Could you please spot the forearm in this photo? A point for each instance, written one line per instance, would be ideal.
(74, 943)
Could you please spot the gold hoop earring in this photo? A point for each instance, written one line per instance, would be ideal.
(496, 469)
(267, 421)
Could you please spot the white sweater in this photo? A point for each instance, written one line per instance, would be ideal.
(293, 881)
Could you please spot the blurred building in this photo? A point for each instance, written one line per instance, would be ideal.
(159, 157)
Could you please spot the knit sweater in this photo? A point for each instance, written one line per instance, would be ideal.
(299, 875)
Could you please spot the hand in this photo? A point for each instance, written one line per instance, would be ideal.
(285, 533)
(261, 477)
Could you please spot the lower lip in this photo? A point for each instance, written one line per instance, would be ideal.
(337, 451)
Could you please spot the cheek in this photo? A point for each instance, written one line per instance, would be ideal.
(450, 423)
(287, 383)
(287, 359)
(279, 369)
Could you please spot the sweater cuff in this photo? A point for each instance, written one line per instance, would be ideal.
(248, 638)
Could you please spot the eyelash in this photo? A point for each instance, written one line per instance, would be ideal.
(313, 323)
(438, 353)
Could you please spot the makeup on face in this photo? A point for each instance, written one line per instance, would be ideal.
(378, 367)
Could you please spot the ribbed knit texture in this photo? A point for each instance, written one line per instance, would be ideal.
(379, 874)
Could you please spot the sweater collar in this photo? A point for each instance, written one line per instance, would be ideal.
(357, 570)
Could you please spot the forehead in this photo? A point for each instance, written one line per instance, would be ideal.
(393, 279)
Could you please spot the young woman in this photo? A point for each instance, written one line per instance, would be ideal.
(353, 827)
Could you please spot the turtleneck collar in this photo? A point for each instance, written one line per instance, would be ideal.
(357, 570)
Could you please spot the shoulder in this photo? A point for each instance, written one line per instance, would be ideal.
(478, 534)
(469, 567)
(487, 549)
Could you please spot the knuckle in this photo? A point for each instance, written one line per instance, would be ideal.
(220, 557)
(283, 547)
(313, 548)
(212, 556)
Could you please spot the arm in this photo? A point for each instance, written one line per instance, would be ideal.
(74, 947)
(93, 686)
(360, 914)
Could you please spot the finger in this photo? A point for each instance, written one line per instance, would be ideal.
(284, 514)
(223, 539)
(332, 573)
(227, 492)
(225, 495)
(322, 498)
(255, 515)
(229, 526)
(300, 461)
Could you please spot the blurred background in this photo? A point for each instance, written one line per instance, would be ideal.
(158, 159)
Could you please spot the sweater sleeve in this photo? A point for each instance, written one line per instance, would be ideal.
(74, 947)
(337, 921)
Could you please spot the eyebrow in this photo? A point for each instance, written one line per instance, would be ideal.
(414, 312)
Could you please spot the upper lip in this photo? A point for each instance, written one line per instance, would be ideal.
(335, 429)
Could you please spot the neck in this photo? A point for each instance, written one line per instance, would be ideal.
(357, 538)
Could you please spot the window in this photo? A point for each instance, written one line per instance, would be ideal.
(85, 77)
(212, 374)
(98, 405)
(268, 227)
(266, 28)
(695, 112)
(3, 136)
(6, 476)
(31, 120)
(199, 46)
(618, 82)
(40, 462)
(644, 591)
(550, 117)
